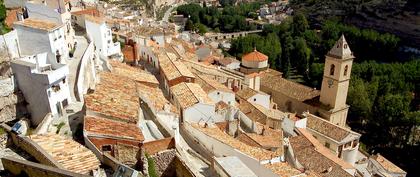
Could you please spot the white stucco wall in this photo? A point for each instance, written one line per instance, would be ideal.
(10, 42)
(33, 41)
(102, 37)
(86, 77)
(37, 89)
(227, 97)
(200, 112)
(255, 64)
(260, 99)
(145, 52)
(40, 11)
(219, 149)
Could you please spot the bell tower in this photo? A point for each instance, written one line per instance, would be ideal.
(335, 82)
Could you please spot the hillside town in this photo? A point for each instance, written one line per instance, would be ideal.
(90, 88)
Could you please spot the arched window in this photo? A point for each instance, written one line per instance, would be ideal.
(346, 68)
(332, 68)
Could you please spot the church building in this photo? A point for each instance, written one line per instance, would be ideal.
(329, 102)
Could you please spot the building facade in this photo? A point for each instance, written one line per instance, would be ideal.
(38, 36)
(44, 85)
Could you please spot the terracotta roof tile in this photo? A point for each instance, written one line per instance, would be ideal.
(38, 24)
(326, 128)
(189, 94)
(209, 84)
(133, 73)
(11, 16)
(120, 130)
(172, 68)
(388, 165)
(247, 93)
(283, 169)
(70, 154)
(255, 56)
(269, 139)
(90, 11)
(313, 160)
(257, 153)
(272, 79)
(115, 96)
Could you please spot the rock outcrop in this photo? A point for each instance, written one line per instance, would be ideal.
(12, 102)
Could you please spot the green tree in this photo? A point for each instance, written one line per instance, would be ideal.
(286, 55)
(189, 25)
(301, 55)
(300, 24)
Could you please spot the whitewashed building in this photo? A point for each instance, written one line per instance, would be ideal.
(57, 11)
(255, 97)
(10, 43)
(215, 90)
(193, 103)
(44, 84)
(101, 35)
(343, 142)
(38, 36)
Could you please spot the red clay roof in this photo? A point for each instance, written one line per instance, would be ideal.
(255, 56)
(112, 129)
(93, 12)
(11, 17)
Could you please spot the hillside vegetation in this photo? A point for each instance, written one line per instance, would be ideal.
(399, 17)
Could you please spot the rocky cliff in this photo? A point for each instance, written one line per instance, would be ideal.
(12, 102)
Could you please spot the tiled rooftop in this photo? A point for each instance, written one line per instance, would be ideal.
(269, 139)
(283, 169)
(388, 165)
(257, 153)
(70, 154)
(11, 16)
(209, 84)
(113, 129)
(156, 96)
(189, 94)
(328, 129)
(313, 157)
(173, 68)
(38, 24)
(115, 96)
(89, 11)
(95, 19)
(247, 93)
(255, 56)
(272, 79)
(133, 73)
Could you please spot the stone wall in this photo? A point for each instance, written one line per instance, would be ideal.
(11, 100)
(165, 162)
(25, 168)
(154, 147)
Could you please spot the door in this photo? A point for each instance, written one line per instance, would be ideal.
(59, 109)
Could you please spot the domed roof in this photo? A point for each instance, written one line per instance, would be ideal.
(255, 56)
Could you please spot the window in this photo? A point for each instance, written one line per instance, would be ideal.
(345, 46)
(218, 93)
(56, 88)
(347, 145)
(355, 143)
(346, 68)
(64, 81)
(327, 145)
(332, 68)
(255, 99)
